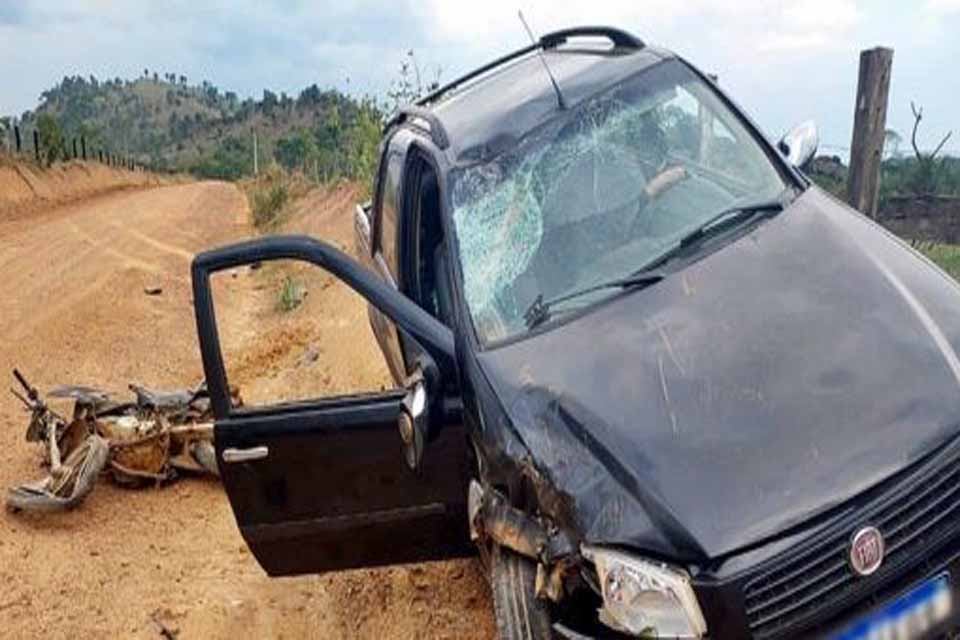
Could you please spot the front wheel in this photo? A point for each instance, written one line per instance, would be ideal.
(520, 615)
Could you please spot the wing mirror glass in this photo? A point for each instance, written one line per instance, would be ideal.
(800, 144)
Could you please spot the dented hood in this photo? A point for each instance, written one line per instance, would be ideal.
(764, 384)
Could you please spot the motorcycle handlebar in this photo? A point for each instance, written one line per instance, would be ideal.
(31, 392)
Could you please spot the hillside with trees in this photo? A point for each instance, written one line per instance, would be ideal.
(162, 121)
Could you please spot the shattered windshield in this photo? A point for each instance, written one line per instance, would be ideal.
(600, 191)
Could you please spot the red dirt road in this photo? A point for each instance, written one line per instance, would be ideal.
(131, 563)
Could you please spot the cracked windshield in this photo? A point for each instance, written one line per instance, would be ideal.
(600, 192)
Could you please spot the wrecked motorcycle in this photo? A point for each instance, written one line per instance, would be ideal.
(149, 439)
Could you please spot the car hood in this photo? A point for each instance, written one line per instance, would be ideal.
(754, 389)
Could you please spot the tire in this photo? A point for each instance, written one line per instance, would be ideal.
(520, 615)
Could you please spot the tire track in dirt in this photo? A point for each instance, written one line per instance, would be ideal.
(73, 310)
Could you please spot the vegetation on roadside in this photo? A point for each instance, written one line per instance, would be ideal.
(899, 177)
(271, 193)
(291, 294)
(947, 257)
(268, 203)
(924, 173)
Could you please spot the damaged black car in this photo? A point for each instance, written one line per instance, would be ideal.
(664, 384)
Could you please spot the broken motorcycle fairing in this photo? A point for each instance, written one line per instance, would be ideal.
(145, 440)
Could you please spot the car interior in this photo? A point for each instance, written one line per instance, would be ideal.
(427, 283)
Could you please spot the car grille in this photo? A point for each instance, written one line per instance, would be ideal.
(810, 583)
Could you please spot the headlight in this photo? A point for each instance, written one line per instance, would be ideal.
(645, 598)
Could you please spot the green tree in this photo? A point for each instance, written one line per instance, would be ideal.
(298, 150)
(362, 141)
(231, 160)
(52, 147)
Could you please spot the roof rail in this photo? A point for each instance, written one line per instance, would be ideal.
(412, 112)
(618, 37)
(432, 97)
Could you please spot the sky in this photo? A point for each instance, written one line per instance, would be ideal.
(783, 61)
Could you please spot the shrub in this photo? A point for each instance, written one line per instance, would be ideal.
(291, 294)
(268, 202)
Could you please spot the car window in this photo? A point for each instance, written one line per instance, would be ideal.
(290, 331)
(386, 240)
(600, 191)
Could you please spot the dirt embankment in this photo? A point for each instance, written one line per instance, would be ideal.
(26, 188)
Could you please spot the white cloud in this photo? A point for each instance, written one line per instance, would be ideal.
(800, 26)
(943, 6)
(827, 15)
(810, 27)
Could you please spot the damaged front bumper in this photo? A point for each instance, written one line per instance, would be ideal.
(639, 596)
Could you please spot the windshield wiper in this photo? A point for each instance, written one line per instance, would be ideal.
(726, 219)
(540, 311)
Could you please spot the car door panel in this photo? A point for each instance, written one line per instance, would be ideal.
(322, 485)
(384, 514)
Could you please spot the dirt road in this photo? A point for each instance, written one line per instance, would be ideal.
(132, 563)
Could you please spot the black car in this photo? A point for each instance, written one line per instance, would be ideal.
(662, 382)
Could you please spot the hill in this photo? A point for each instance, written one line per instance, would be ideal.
(162, 121)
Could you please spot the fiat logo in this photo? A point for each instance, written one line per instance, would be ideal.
(866, 551)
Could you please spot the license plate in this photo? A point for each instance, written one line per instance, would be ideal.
(909, 616)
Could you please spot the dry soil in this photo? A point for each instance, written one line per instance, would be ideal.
(141, 563)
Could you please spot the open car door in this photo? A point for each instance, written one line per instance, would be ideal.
(329, 483)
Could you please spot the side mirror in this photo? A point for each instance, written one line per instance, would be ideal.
(800, 144)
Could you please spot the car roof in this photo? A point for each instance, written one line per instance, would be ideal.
(486, 115)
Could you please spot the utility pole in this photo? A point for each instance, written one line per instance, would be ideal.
(256, 166)
(869, 128)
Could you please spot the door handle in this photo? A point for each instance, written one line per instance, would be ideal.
(245, 455)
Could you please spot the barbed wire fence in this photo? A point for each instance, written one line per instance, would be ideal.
(25, 143)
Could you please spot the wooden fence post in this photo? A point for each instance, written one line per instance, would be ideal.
(74, 148)
(83, 146)
(16, 135)
(36, 145)
(869, 127)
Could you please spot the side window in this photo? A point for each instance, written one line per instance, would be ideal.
(386, 240)
(426, 240)
(290, 331)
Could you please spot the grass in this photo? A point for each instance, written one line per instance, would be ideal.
(291, 294)
(268, 203)
(271, 193)
(947, 257)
